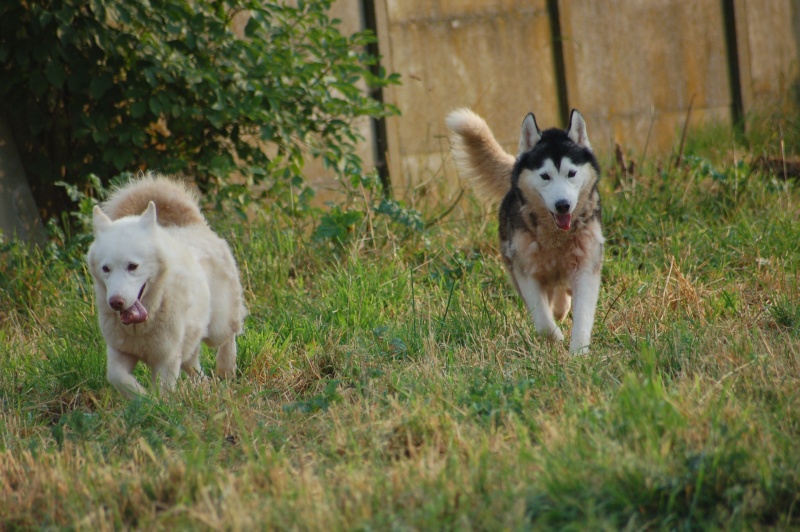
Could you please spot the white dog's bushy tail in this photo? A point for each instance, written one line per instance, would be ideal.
(176, 203)
(478, 156)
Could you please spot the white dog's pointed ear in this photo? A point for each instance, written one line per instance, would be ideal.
(149, 218)
(577, 130)
(530, 134)
(99, 220)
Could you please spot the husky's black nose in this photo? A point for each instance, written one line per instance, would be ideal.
(562, 206)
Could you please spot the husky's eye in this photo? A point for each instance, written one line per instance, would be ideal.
(132, 267)
(571, 173)
(545, 176)
(105, 269)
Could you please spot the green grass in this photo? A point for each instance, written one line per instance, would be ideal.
(396, 382)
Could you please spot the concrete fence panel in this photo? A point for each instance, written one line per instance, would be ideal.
(768, 43)
(635, 66)
(495, 57)
(632, 67)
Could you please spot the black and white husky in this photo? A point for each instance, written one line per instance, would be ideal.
(550, 233)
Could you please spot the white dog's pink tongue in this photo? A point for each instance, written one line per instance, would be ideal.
(136, 313)
(563, 221)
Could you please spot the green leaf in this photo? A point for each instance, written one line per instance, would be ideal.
(100, 85)
(120, 158)
(79, 78)
(99, 9)
(150, 76)
(55, 73)
(121, 13)
(100, 137)
(138, 138)
(216, 118)
(38, 83)
(138, 108)
(155, 105)
(45, 17)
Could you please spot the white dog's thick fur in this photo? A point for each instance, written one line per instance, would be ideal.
(164, 282)
(550, 232)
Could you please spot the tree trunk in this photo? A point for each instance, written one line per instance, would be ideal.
(18, 215)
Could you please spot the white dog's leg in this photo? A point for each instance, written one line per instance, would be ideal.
(536, 300)
(191, 364)
(119, 373)
(166, 373)
(585, 290)
(226, 358)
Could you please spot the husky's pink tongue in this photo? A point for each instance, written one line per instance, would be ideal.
(563, 221)
(136, 313)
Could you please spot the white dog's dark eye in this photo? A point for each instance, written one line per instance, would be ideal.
(571, 173)
(105, 269)
(546, 177)
(132, 267)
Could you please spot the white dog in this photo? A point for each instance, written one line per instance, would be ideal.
(164, 282)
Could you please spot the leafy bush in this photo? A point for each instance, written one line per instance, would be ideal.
(338, 225)
(105, 87)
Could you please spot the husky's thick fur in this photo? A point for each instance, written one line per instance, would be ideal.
(550, 233)
(164, 282)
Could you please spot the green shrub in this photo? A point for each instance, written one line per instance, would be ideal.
(116, 86)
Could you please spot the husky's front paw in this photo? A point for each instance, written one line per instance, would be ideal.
(578, 350)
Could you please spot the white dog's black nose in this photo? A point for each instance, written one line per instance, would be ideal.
(116, 302)
(562, 206)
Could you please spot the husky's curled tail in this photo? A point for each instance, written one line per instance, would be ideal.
(478, 156)
(176, 203)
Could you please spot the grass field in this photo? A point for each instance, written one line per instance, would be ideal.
(396, 383)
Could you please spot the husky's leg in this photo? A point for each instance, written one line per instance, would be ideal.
(226, 358)
(118, 372)
(560, 302)
(536, 300)
(166, 372)
(586, 290)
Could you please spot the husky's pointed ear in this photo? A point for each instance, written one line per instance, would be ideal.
(148, 218)
(99, 220)
(577, 130)
(530, 134)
